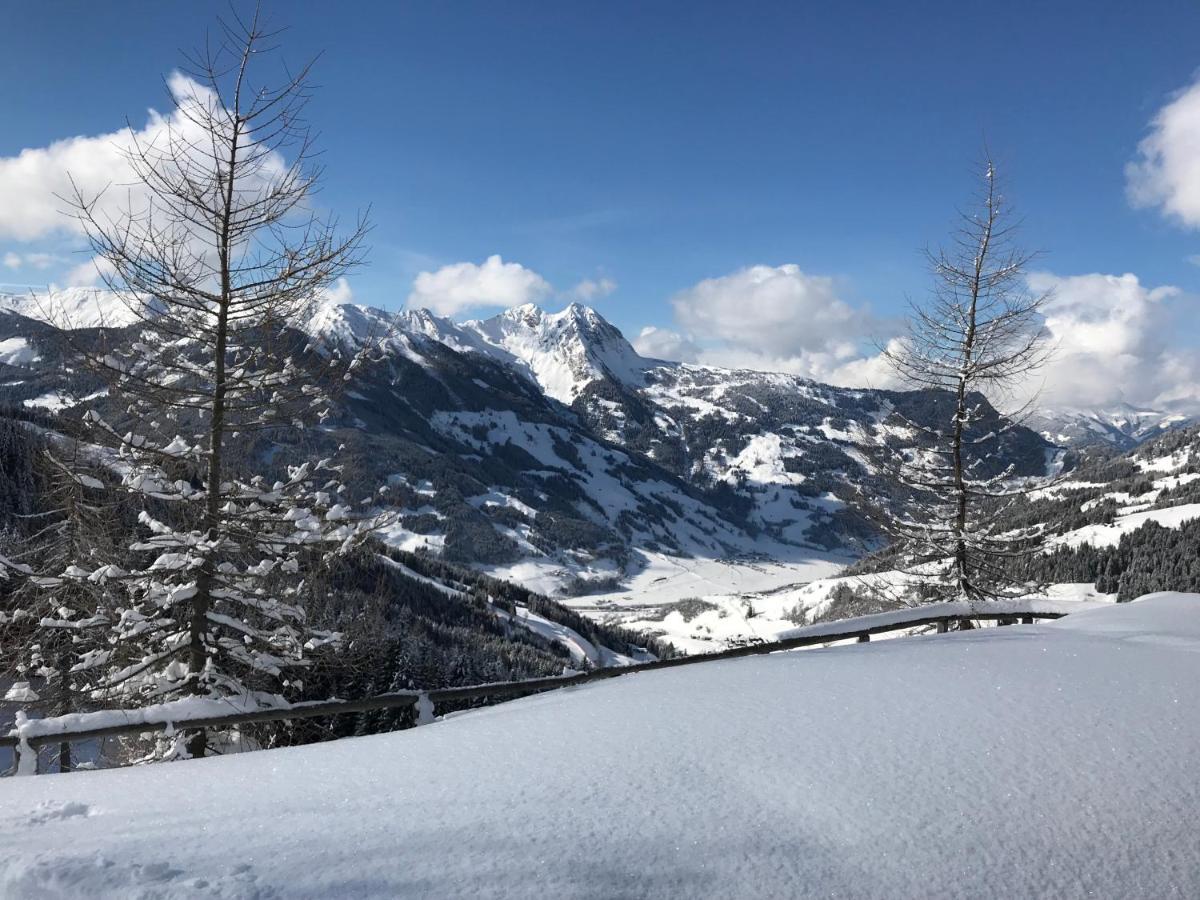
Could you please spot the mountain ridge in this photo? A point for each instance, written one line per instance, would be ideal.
(540, 448)
(1122, 425)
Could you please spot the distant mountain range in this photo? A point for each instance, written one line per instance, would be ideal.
(1123, 426)
(550, 434)
(540, 448)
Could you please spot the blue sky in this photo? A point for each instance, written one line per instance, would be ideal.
(656, 145)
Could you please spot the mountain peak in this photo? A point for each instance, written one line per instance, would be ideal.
(578, 310)
(529, 313)
(563, 351)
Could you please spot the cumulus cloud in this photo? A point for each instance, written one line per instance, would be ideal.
(1166, 172)
(34, 181)
(663, 343)
(592, 289)
(339, 292)
(843, 364)
(1111, 339)
(774, 310)
(461, 286)
(770, 318)
(1111, 335)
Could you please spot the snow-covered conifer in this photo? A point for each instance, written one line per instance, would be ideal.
(54, 627)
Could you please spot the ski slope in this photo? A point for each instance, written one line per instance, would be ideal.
(1058, 760)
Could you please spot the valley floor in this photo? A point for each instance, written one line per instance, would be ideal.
(701, 605)
(1057, 760)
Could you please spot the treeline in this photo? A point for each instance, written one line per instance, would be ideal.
(1151, 558)
(400, 633)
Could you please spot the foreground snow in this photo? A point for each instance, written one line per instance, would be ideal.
(1049, 760)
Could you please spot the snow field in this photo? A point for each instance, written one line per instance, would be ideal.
(1053, 760)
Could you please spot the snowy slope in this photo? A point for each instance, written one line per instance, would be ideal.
(73, 307)
(17, 351)
(702, 605)
(1110, 535)
(1165, 483)
(1033, 761)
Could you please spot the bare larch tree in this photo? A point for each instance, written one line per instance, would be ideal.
(979, 339)
(219, 256)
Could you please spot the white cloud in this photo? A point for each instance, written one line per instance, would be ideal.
(773, 319)
(1111, 338)
(12, 260)
(1111, 335)
(774, 310)
(842, 364)
(339, 292)
(591, 289)
(34, 182)
(1166, 172)
(88, 274)
(461, 286)
(663, 343)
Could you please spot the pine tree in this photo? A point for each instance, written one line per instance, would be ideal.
(56, 632)
(980, 334)
(220, 259)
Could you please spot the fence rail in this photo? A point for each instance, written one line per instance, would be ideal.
(860, 629)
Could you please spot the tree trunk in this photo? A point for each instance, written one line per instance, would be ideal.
(202, 601)
(64, 707)
(961, 560)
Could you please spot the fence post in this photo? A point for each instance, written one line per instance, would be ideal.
(424, 709)
(24, 756)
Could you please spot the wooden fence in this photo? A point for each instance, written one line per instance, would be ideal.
(859, 629)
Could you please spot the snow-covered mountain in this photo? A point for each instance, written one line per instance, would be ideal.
(565, 351)
(1119, 525)
(561, 352)
(542, 449)
(72, 307)
(690, 501)
(1123, 426)
(799, 459)
(707, 505)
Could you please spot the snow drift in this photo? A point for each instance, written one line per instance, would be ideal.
(1045, 760)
